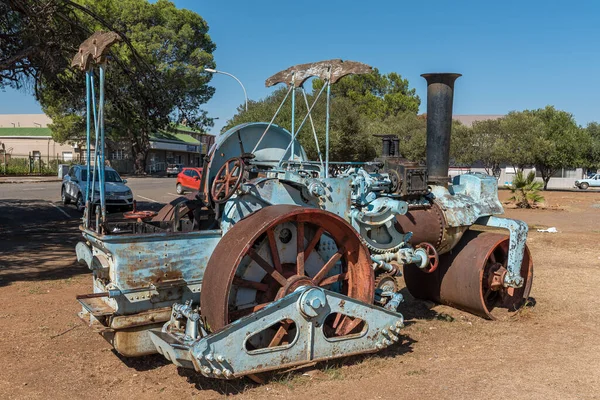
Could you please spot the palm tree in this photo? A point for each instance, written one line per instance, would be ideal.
(526, 191)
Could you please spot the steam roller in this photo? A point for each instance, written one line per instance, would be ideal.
(279, 261)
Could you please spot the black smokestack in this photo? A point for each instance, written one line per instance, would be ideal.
(440, 93)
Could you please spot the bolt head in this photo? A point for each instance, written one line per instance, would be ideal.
(227, 373)
(219, 358)
(217, 372)
(210, 357)
(206, 370)
(315, 303)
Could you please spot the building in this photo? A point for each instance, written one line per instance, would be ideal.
(183, 146)
(27, 136)
(23, 142)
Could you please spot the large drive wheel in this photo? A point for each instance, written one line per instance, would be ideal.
(470, 277)
(274, 251)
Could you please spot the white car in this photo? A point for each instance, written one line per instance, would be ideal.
(117, 194)
(583, 184)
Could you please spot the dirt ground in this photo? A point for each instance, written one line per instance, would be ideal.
(548, 351)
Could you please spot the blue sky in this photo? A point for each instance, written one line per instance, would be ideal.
(512, 54)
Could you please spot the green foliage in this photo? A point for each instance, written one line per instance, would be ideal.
(526, 190)
(482, 142)
(411, 130)
(361, 105)
(23, 166)
(592, 146)
(155, 77)
(520, 131)
(559, 144)
(376, 96)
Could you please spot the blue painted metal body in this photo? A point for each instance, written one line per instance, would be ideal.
(225, 354)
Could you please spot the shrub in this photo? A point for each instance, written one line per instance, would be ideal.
(526, 190)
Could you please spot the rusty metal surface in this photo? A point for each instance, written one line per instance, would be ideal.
(238, 243)
(465, 275)
(144, 318)
(94, 49)
(426, 224)
(133, 342)
(321, 69)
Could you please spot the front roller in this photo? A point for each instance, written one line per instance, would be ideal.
(470, 277)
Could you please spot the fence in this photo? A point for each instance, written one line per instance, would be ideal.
(30, 164)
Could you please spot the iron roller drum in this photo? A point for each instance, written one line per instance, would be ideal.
(470, 277)
(276, 250)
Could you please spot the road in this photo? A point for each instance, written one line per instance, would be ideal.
(40, 202)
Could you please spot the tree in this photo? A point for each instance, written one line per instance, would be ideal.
(481, 143)
(559, 144)
(376, 96)
(520, 132)
(361, 105)
(156, 77)
(592, 146)
(410, 129)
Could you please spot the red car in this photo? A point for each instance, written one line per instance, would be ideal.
(188, 179)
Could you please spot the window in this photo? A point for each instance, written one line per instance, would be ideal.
(67, 156)
(72, 172)
(109, 176)
(119, 154)
(193, 173)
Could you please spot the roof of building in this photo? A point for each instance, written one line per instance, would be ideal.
(41, 132)
(24, 120)
(174, 137)
(187, 129)
(469, 119)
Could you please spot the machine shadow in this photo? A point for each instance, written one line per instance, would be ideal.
(37, 242)
(414, 309)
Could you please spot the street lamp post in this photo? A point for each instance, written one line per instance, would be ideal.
(214, 71)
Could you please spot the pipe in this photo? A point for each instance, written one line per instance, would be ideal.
(440, 93)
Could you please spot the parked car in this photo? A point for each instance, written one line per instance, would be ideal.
(174, 169)
(117, 193)
(188, 179)
(583, 184)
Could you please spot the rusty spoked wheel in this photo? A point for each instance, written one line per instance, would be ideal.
(274, 251)
(228, 179)
(470, 277)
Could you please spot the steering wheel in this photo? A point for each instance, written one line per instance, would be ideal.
(228, 180)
